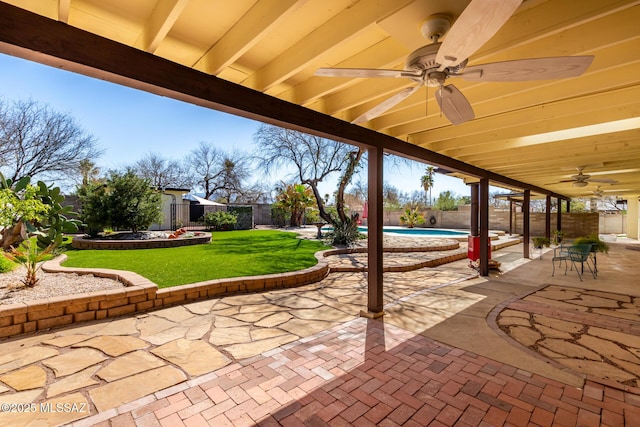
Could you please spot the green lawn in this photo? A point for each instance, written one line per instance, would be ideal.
(230, 254)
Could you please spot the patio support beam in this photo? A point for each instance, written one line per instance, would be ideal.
(375, 299)
(526, 216)
(510, 216)
(633, 217)
(475, 191)
(559, 215)
(547, 218)
(484, 227)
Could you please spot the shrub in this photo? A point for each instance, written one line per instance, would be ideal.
(539, 242)
(125, 202)
(33, 210)
(593, 239)
(279, 215)
(311, 216)
(244, 215)
(220, 221)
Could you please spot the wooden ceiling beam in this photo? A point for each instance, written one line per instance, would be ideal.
(547, 121)
(333, 32)
(262, 18)
(158, 25)
(63, 10)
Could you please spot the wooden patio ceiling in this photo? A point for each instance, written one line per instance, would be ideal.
(533, 133)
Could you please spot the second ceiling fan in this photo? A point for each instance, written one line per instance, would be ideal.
(433, 64)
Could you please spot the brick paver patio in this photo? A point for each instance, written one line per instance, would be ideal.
(368, 373)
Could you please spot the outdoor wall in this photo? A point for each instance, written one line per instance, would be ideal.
(573, 224)
(615, 223)
(166, 200)
(261, 213)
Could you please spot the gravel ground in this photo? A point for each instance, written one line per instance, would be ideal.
(13, 291)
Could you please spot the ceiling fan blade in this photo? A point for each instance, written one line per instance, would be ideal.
(386, 104)
(604, 180)
(560, 67)
(363, 72)
(476, 24)
(454, 105)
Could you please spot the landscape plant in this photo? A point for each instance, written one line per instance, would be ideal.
(294, 199)
(33, 222)
(220, 220)
(124, 202)
(244, 214)
(20, 208)
(411, 217)
(597, 245)
(27, 210)
(557, 236)
(30, 256)
(539, 242)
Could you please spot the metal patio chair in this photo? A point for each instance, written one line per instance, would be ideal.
(573, 255)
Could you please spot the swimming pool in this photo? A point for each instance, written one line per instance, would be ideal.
(428, 232)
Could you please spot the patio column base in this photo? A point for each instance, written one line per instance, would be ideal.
(372, 314)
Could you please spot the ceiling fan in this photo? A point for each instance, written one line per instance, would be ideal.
(581, 180)
(597, 193)
(433, 64)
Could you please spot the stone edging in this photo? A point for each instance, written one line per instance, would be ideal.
(84, 243)
(139, 294)
(460, 255)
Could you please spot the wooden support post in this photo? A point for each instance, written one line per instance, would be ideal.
(475, 191)
(526, 214)
(484, 227)
(547, 218)
(375, 300)
(559, 215)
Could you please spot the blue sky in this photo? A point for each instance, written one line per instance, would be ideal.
(129, 123)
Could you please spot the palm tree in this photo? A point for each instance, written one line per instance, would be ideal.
(295, 198)
(427, 180)
(88, 171)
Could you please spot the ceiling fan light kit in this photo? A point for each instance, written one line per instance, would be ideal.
(432, 64)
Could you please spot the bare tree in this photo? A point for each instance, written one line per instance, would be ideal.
(37, 141)
(219, 173)
(203, 161)
(234, 170)
(162, 172)
(313, 159)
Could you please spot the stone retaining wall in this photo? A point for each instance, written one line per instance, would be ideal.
(83, 243)
(138, 295)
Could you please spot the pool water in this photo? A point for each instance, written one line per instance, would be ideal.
(421, 231)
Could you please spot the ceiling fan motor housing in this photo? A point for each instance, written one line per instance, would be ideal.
(423, 60)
